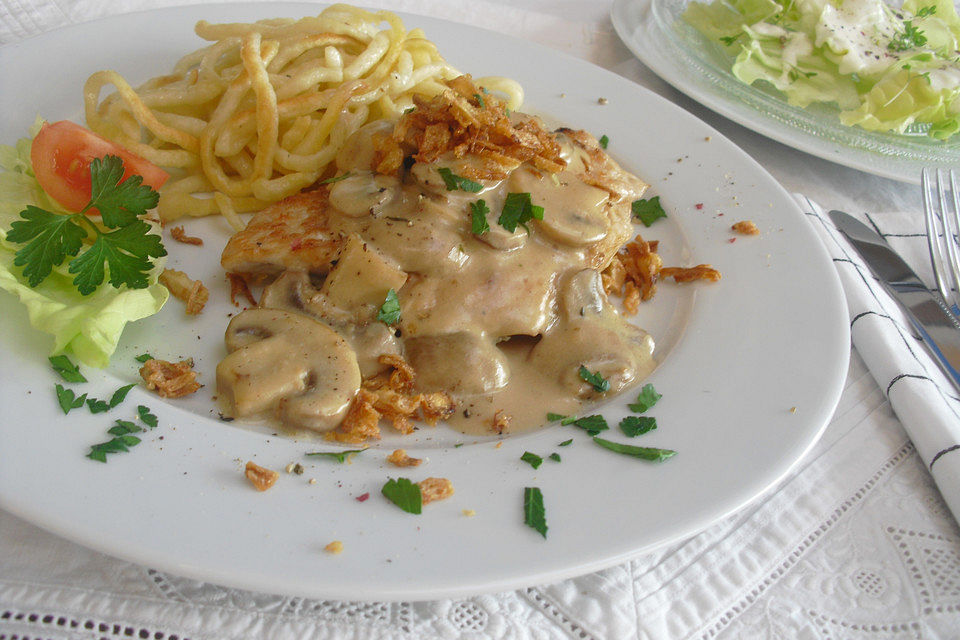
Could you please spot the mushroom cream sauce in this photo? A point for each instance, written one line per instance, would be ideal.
(501, 321)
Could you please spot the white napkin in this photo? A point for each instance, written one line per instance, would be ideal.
(920, 394)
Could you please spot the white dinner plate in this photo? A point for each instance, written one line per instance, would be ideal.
(751, 370)
(678, 54)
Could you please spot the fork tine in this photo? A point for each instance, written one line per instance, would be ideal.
(951, 229)
(932, 220)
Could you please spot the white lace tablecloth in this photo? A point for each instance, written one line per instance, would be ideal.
(855, 543)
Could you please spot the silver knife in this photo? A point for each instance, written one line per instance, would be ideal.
(938, 327)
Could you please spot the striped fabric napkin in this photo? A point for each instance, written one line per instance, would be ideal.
(920, 394)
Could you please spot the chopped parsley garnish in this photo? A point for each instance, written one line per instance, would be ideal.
(339, 456)
(555, 457)
(126, 247)
(554, 417)
(532, 459)
(389, 312)
(591, 424)
(634, 426)
(534, 515)
(478, 212)
(480, 101)
(604, 141)
(566, 443)
(645, 453)
(68, 400)
(454, 182)
(648, 211)
(146, 417)
(404, 494)
(67, 370)
(647, 397)
(518, 210)
(123, 438)
(599, 383)
(144, 357)
(729, 40)
(100, 406)
(923, 12)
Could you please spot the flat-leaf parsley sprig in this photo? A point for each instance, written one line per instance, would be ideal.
(125, 248)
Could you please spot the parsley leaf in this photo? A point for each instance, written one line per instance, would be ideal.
(67, 370)
(339, 456)
(645, 453)
(518, 210)
(553, 417)
(647, 397)
(146, 417)
(532, 459)
(591, 424)
(144, 357)
(555, 457)
(534, 515)
(51, 237)
(924, 12)
(389, 312)
(604, 141)
(566, 443)
(649, 211)
(122, 441)
(454, 182)
(126, 249)
(67, 399)
(729, 40)
(634, 426)
(100, 406)
(404, 494)
(119, 201)
(479, 211)
(599, 383)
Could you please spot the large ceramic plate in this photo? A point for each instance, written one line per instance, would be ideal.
(751, 369)
(675, 51)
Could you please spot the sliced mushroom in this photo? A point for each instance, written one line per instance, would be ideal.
(288, 363)
(590, 333)
(293, 291)
(461, 363)
(574, 211)
(363, 193)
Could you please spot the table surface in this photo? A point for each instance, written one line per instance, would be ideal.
(855, 544)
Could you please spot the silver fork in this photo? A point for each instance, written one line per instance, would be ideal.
(941, 207)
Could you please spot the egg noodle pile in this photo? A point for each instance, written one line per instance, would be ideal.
(261, 113)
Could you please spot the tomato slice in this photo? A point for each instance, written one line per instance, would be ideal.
(61, 155)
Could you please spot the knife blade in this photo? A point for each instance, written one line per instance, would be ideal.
(938, 328)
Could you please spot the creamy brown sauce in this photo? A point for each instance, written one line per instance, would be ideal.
(502, 321)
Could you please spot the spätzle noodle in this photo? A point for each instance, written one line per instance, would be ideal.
(261, 112)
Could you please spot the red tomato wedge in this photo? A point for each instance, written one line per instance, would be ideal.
(61, 155)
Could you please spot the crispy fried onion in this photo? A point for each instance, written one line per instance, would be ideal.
(391, 396)
(467, 120)
(635, 270)
(689, 274)
(168, 379)
(433, 489)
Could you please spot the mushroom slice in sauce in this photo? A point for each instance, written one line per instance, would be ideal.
(294, 291)
(590, 333)
(288, 363)
(461, 363)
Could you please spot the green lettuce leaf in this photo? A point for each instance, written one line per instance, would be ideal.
(88, 327)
